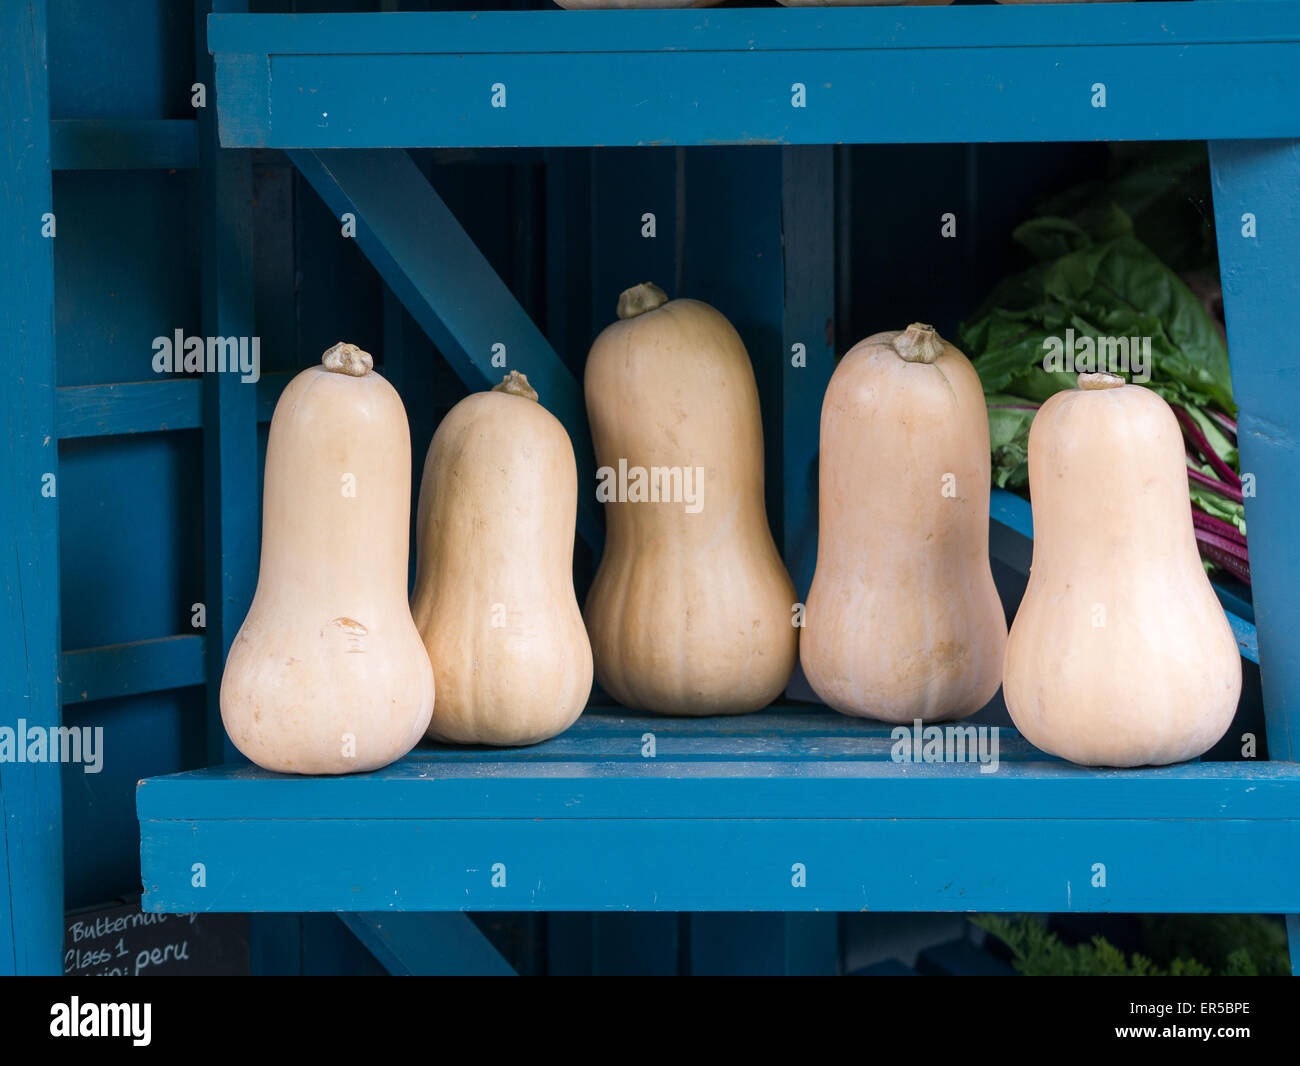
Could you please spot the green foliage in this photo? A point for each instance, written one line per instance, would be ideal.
(1106, 256)
(1234, 945)
(1238, 945)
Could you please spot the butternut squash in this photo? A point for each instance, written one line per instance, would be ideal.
(494, 599)
(903, 620)
(327, 674)
(691, 608)
(1120, 654)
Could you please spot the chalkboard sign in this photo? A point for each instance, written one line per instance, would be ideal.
(120, 941)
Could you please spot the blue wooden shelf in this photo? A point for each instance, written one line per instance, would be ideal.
(720, 819)
(885, 75)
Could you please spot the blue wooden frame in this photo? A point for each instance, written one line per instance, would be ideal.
(735, 801)
(759, 783)
(31, 844)
(717, 820)
(882, 75)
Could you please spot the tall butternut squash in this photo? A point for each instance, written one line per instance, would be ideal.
(1120, 654)
(327, 674)
(903, 620)
(690, 611)
(494, 597)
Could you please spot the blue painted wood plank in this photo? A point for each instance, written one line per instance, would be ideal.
(31, 817)
(427, 784)
(128, 407)
(230, 405)
(1014, 513)
(130, 669)
(983, 73)
(802, 734)
(427, 945)
(432, 266)
(753, 863)
(1257, 217)
(770, 29)
(123, 144)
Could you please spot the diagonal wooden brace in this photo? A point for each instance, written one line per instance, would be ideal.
(433, 267)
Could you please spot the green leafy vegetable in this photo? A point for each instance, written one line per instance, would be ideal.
(1095, 286)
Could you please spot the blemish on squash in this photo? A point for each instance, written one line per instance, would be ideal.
(353, 630)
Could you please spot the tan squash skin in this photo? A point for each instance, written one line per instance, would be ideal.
(498, 504)
(328, 648)
(903, 620)
(688, 613)
(1158, 681)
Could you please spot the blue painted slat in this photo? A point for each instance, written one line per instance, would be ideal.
(427, 945)
(128, 407)
(432, 266)
(230, 406)
(130, 669)
(979, 73)
(1014, 513)
(1257, 220)
(1021, 863)
(768, 29)
(790, 733)
(429, 785)
(31, 818)
(1261, 276)
(123, 144)
(147, 406)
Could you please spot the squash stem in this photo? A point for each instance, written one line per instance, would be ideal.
(639, 299)
(1097, 382)
(344, 358)
(516, 384)
(918, 343)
